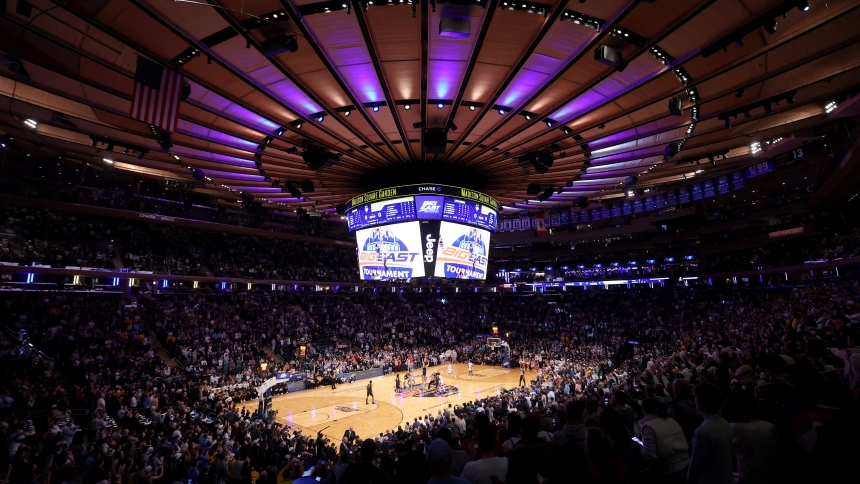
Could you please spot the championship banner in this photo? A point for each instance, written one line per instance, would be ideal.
(540, 225)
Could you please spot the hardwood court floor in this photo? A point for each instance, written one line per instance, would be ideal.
(334, 411)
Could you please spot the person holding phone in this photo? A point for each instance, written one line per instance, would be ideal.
(663, 442)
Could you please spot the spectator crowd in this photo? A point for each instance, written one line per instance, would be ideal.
(669, 385)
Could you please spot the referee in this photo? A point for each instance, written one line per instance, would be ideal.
(522, 382)
(369, 393)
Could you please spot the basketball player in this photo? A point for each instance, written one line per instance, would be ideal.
(470, 369)
(424, 375)
(522, 382)
(397, 384)
(450, 369)
(370, 393)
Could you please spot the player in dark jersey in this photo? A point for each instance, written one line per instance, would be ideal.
(370, 393)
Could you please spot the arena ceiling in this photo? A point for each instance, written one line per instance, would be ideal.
(505, 82)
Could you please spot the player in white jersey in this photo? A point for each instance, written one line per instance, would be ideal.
(470, 368)
(450, 369)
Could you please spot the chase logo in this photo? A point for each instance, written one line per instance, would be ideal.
(430, 206)
(429, 189)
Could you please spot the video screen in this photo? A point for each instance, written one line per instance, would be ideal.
(382, 213)
(469, 212)
(390, 252)
(462, 252)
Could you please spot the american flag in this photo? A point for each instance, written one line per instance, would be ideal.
(157, 92)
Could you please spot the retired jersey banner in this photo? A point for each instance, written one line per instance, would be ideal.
(526, 223)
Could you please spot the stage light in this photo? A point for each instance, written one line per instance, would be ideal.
(770, 27)
(501, 112)
(346, 113)
(830, 107)
(471, 108)
(107, 161)
(547, 193)
(375, 109)
(321, 118)
(31, 123)
(440, 105)
(803, 6)
(407, 107)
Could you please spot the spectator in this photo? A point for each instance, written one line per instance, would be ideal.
(664, 445)
(481, 470)
(711, 462)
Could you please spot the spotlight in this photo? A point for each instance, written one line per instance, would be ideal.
(320, 118)
(770, 27)
(471, 108)
(375, 109)
(803, 6)
(547, 193)
(670, 151)
(110, 162)
(31, 123)
(768, 108)
(407, 107)
(299, 125)
(440, 105)
(165, 140)
(549, 124)
(345, 113)
(528, 118)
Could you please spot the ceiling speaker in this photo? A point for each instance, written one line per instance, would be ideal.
(455, 27)
(611, 57)
(435, 142)
(279, 45)
(675, 108)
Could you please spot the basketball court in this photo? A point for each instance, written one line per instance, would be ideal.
(334, 411)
